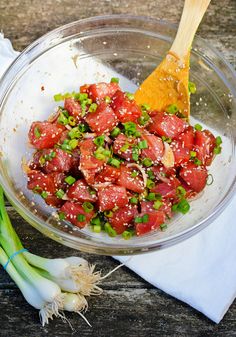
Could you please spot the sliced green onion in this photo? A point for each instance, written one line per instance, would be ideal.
(70, 180)
(71, 121)
(60, 193)
(62, 119)
(99, 141)
(157, 204)
(115, 132)
(143, 145)
(134, 174)
(96, 221)
(87, 206)
(114, 162)
(125, 147)
(66, 147)
(37, 132)
(133, 200)
(151, 196)
(183, 206)
(83, 127)
(163, 227)
(81, 217)
(42, 160)
(145, 218)
(193, 154)
(135, 153)
(198, 127)
(181, 191)
(192, 87)
(138, 219)
(73, 143)
(114, 80)
(108, 214)
(150, 174)
(130, 129)
(218, 140)
(44, 194)
(172, 109)
(150, 184)
(107, 99)
(144, 118)
(75, 133)
(217, 150)
(58, 97)
(109, 230)
(166, 139)
(145, 107)
(61, 215)
(97, 228)
(93, 107)
(128, 234)
(197, 162)
(130, 96)
(147, 162)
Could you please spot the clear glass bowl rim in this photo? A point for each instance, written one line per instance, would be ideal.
(90, 245)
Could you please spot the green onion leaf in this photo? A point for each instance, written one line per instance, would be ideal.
(97, 229)
(73, 143)
(147, 162)
(183, 206)
(197, 162)
(172, 109)
(81, 217)
(58, 97)
(150, 174)
(37, 132)
(218, 140)
(217, 150)
(62, 119)
(60, 193)
(198, 127)
(114, 162)
(44, 194)
(143, 144)
(71, 121)
(75, 133)
(210, 179)
(133, 200)
(192, 87)
(96, 221)
(193, 154)
(130, 96)
(145, 218)
(130, 129)
(150, 184)
(163, 227)
(99, 141)
(135, 153)
(181, 192)
(93, 107)
(88, 206)
(157, 204)
(125, 147)
(138, 219)
(134, 174)
(127, 234)
(107, 99)
(115, 132)
(61, 215)
(108, 214)
(166, 139)
(114, 80)
(83, 127)
(109, 230)
(70, 180)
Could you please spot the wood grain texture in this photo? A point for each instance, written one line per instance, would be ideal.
(129, 306)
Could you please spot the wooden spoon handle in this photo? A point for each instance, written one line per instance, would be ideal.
(191, 17)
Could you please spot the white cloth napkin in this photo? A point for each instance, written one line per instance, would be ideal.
(200, 271)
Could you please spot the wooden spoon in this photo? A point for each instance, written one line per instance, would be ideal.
(168, 83)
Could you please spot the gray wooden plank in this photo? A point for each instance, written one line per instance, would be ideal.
(127, 312)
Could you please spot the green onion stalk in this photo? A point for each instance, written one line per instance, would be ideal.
(50, 285)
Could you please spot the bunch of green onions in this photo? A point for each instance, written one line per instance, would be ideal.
(50, 285)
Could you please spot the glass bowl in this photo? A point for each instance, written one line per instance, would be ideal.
(93, 50)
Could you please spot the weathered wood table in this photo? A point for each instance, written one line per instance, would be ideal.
(129, 306)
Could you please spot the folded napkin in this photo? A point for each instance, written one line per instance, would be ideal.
(200, 271)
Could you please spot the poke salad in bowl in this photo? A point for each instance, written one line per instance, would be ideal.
(89, 167)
